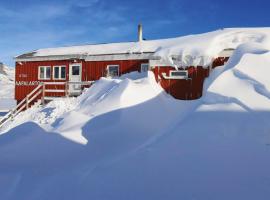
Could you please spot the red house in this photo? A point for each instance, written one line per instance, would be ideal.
(65, 71)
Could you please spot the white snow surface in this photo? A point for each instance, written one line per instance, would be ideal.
(192, 50)
(127, 139)
(7, 84)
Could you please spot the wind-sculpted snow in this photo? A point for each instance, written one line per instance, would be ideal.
(244, 80)
(127, 139)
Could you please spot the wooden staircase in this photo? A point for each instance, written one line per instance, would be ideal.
(38, 97)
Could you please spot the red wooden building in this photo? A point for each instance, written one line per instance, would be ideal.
(65, 70)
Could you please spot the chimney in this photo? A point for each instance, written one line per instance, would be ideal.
(140, 36)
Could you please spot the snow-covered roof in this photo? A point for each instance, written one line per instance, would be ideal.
(197, 49)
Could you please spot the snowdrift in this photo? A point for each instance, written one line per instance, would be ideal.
(243, 81)
(127, 139)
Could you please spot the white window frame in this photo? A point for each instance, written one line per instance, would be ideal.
(143, 64)
(59, 73)
(179, 77)
(45, 74)
(108, 69)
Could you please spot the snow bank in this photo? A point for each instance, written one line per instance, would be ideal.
(243, 81)
(68, 116)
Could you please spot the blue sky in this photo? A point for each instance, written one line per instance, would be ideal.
(27, 25)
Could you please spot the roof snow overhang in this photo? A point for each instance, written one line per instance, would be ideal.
(103, 57)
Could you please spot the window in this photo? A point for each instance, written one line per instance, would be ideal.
(113, 70)
(44, 72)
(180, 74)
(144, 67)
(59, 72)
(76, 70)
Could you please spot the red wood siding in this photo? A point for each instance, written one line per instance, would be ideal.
(91, 70)
(28, 71)
(185, 89)
(219, 61)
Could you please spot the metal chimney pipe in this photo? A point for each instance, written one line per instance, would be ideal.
(140, 34)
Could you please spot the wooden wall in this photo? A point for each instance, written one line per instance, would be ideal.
(91, 70)
(185, 89)
(189, 89)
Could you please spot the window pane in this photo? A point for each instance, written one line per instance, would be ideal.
(75, 70)
(63, 72)
(56, 72)
(41, 73)
(179, 73)
(48, 72)
(144, 67)
(113, 71)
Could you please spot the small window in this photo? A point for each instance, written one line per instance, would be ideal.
(181, 74)
(59, 72)
(44, 72)
(144, 67)
(75, 70)
(113, 70)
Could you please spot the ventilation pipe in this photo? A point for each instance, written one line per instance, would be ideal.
(140, 34)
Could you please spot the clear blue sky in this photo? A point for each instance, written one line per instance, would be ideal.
(26, 25)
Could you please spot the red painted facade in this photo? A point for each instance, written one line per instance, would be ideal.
(91, 70)
(185, 89)
(219, 61)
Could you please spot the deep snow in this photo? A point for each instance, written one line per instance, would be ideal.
(127, 139)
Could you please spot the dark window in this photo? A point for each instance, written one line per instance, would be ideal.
(56, 72)
(144, 67)
(113, 70)
(44, 72)
(59, 72)
(63, 72)
(178, 73)
(48, 73)
(76, 70)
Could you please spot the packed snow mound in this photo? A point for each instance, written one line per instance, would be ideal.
(7, 86)
(68, 116)
(192, 50)
(243, 81)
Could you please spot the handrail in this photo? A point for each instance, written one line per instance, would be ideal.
(24, 103)
(69, 82)
(54, 83)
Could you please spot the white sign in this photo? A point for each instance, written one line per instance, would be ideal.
(23, 75)
(27, 83)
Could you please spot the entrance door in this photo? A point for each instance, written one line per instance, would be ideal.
(75, 76)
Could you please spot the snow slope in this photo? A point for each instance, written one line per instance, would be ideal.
(105, 96)
(7, 76)
(127, 139)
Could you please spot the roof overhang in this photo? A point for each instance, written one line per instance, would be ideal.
(104, 57)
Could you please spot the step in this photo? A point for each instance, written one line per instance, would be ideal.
(51, 98)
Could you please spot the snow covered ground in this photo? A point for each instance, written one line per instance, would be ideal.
(7, 76)
(127, 139)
